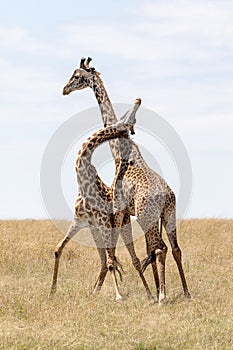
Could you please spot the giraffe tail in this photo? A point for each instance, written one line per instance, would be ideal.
(147, 261)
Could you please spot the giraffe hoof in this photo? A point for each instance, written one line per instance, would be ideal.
(162, 300)
(51, 293)
(95, 291)
(119, 298)
(188, 295)
(152, 301)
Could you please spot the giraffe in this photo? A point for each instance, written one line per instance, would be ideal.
(139, 190)
(94, 205)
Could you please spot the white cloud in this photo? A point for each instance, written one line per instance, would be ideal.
(210, 19)
(182, 29)
(18, 39)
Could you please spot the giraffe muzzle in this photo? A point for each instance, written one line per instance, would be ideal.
(66, 91)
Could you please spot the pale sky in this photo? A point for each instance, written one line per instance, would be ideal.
(176, 55)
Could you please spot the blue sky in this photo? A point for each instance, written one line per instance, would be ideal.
(176, 55)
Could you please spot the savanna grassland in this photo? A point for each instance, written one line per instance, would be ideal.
(76, 319)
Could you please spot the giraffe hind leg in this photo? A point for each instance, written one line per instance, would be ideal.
(176, 252)
(170, 227)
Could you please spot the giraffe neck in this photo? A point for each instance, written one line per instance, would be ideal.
(107, 111)
(87, 175)
(105, 105)
(85, 153)
(109, 118)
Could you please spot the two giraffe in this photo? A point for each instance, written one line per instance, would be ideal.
(140, 192)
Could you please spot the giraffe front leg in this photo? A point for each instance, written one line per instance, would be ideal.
(156, 278)
(110, 236)
(98, 239)
(73, 229)
(103, 271)
(58, 251)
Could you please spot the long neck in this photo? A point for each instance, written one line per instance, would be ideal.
(109, 118)
(86, 172)
(107, 111)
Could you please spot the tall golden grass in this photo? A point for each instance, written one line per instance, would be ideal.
(75, 319)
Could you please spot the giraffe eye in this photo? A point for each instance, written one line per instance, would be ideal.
(77, 76)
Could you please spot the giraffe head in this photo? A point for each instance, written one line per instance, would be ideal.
(82, 77)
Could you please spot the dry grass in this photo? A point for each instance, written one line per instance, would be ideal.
(75, 319)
